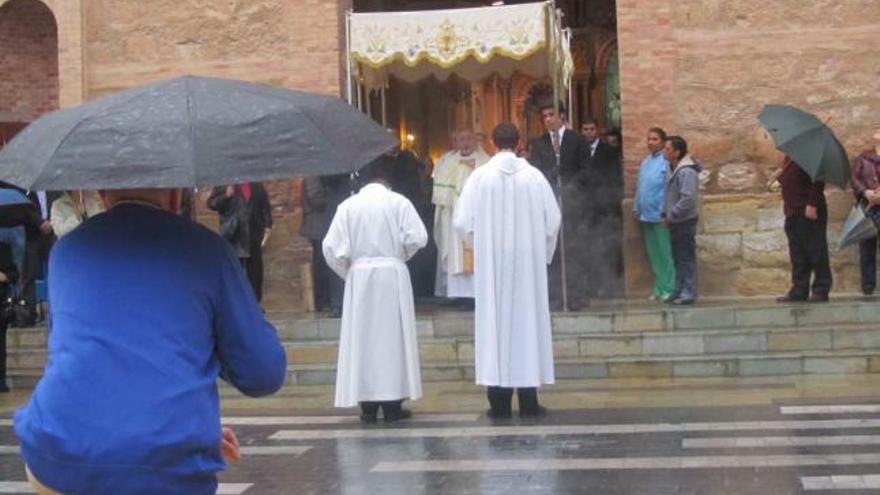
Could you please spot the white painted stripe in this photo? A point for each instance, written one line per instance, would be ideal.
(695, 462)
(841, 482)
(25, 487)
(831, 409)
(16, 487)
(612, 429)
(5, 422)
(758, 442)
(10, 450)
(330, 420)
(233, 488)
(296, 450)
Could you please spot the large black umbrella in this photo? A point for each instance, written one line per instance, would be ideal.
(192, 132)
(808, 141)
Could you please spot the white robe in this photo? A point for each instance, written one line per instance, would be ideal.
(507, 210)
(372, 235)
(453, 279)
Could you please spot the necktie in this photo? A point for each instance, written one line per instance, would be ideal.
(554, 139)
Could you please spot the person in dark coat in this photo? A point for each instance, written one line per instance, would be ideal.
(603, 184)
(806, 224)
(568, 177)
(245, 221)
(866, 188)
(321, 196)
(8, 277)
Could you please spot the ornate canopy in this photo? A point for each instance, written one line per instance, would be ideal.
(471, 43)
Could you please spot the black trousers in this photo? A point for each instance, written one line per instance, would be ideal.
(253, 267)
(329, 288)
(389, 407)
(683, 237)
(808, 251)
(868, 264)
(501, 398)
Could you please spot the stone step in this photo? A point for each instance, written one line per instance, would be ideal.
(721, 365)
(756, 340)
(444, 324)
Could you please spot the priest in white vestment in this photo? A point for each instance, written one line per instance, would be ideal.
(455, 277)
(509, 213)
(370, 239)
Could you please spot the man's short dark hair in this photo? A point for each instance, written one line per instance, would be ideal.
(658, 131)
(380, 168)
(588, 121)
(678, 144)
(544, 105)
(505, 136)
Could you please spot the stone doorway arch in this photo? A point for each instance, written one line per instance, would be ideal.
(44, 59)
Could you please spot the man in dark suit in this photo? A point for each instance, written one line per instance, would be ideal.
(566, 177)
(603, 182)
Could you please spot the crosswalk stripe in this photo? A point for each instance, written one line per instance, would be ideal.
(296, 450)
(233, 488)
(831, 409)
(757, 442)
(327, 420)
(10, 450)
(25, 487)
(5, 422)
(611, 429)
(841, 482)
(695, 462)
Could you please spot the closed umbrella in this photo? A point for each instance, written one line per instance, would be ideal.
(857, 227)
(808, 141)
(192, 132)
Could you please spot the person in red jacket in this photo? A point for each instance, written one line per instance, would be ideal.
(806, 222)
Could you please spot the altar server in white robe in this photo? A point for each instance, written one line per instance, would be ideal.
(370, 239)
(508, 212)
(455, 277)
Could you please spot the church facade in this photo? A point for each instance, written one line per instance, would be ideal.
(698, 68)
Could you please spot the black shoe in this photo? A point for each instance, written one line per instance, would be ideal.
(335, 313)
(369, 412)
(4, 389)
(818, 298)
(537, 412)
(493, 414)
(790, 299)
(368, 419)
(868, 291)
(397, 414)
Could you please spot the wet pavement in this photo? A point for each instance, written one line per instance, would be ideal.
(776, 435)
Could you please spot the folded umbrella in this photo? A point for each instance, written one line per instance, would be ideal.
(857, 227)
(192, 132)
(808, 141)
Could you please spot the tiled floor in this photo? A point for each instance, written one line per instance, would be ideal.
(767, 436)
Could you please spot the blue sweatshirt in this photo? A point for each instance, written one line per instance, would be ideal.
(148, 308)
(651, 188)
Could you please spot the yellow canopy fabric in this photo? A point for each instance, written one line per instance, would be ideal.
(471, 43)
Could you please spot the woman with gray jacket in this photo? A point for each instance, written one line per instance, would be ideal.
(681, 213)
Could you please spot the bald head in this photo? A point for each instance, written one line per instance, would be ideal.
(167, 199)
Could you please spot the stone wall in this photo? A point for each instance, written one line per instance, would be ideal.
(293, 44)
(28, 60)
(704, 69)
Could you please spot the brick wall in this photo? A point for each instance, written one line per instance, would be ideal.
(289, 43)
(28, 60)
(704, 69)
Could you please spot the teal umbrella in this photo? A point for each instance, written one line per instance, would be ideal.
(807, 141)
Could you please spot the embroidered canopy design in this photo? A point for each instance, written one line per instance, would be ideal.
(471, 43)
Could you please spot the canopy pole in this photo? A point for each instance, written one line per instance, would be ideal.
(384, 106)
(554, 74)
(348, 56)
(368, 97)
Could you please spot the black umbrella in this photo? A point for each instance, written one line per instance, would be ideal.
(808, 141)
(192, 132)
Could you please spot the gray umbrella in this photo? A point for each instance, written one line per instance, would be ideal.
(857, 228)
(192, 132)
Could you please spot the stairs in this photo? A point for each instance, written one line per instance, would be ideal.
(731, 340)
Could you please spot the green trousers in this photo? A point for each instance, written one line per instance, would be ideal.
(659, 249)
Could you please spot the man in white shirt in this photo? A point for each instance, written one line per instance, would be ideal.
(372, 235)
(508, 213)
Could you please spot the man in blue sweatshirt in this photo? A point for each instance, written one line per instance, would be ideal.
(148, 309)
